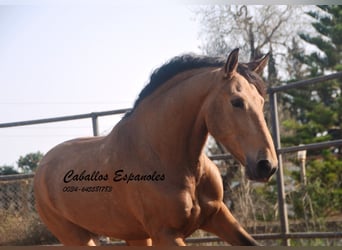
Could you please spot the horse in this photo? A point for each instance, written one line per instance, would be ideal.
(149, 182)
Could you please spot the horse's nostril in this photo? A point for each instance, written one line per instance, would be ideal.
(264, 169)
(264, 164)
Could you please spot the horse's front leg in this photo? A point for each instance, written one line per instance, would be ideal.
(159, 240)
(168, 241)
(146, 242)
(224, 225)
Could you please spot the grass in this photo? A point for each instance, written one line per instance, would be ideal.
(20, 229)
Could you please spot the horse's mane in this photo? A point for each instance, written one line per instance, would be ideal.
(186, 62)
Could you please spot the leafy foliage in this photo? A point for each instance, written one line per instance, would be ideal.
(7, 170)
(29, 162)
(26, 164)
(316, 114)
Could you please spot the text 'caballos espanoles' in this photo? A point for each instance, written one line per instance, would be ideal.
(118, 176)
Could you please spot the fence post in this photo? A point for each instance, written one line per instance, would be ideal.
(94, 119)
(280, 173)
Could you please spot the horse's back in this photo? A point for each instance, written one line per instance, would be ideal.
(68, 152)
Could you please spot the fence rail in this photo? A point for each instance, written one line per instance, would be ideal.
(15, 177)
(304, 83)
(284, 234)
(93, 116)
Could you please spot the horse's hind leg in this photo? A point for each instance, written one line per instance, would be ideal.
(65, 231)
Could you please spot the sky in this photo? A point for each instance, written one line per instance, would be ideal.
(71, 58)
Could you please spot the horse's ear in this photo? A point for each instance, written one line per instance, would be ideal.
(259, 65)
(232, 62)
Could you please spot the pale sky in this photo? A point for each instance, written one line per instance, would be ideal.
(72, 58)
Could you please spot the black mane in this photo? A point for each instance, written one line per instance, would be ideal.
(186, 62)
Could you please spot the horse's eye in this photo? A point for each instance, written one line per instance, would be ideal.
(238, 103)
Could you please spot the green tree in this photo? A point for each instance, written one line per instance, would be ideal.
(316, 113)
(316, 110)
(328, 24)
(8, 170)
(29, 162)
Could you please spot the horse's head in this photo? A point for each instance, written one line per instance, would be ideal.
(234, 116)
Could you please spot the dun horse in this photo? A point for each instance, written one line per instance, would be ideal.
(148, 181)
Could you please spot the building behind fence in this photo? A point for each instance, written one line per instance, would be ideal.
(16, 194)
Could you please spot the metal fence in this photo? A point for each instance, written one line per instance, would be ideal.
(284, 234)
(16, 193)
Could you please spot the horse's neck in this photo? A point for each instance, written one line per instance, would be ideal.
(170, 119)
